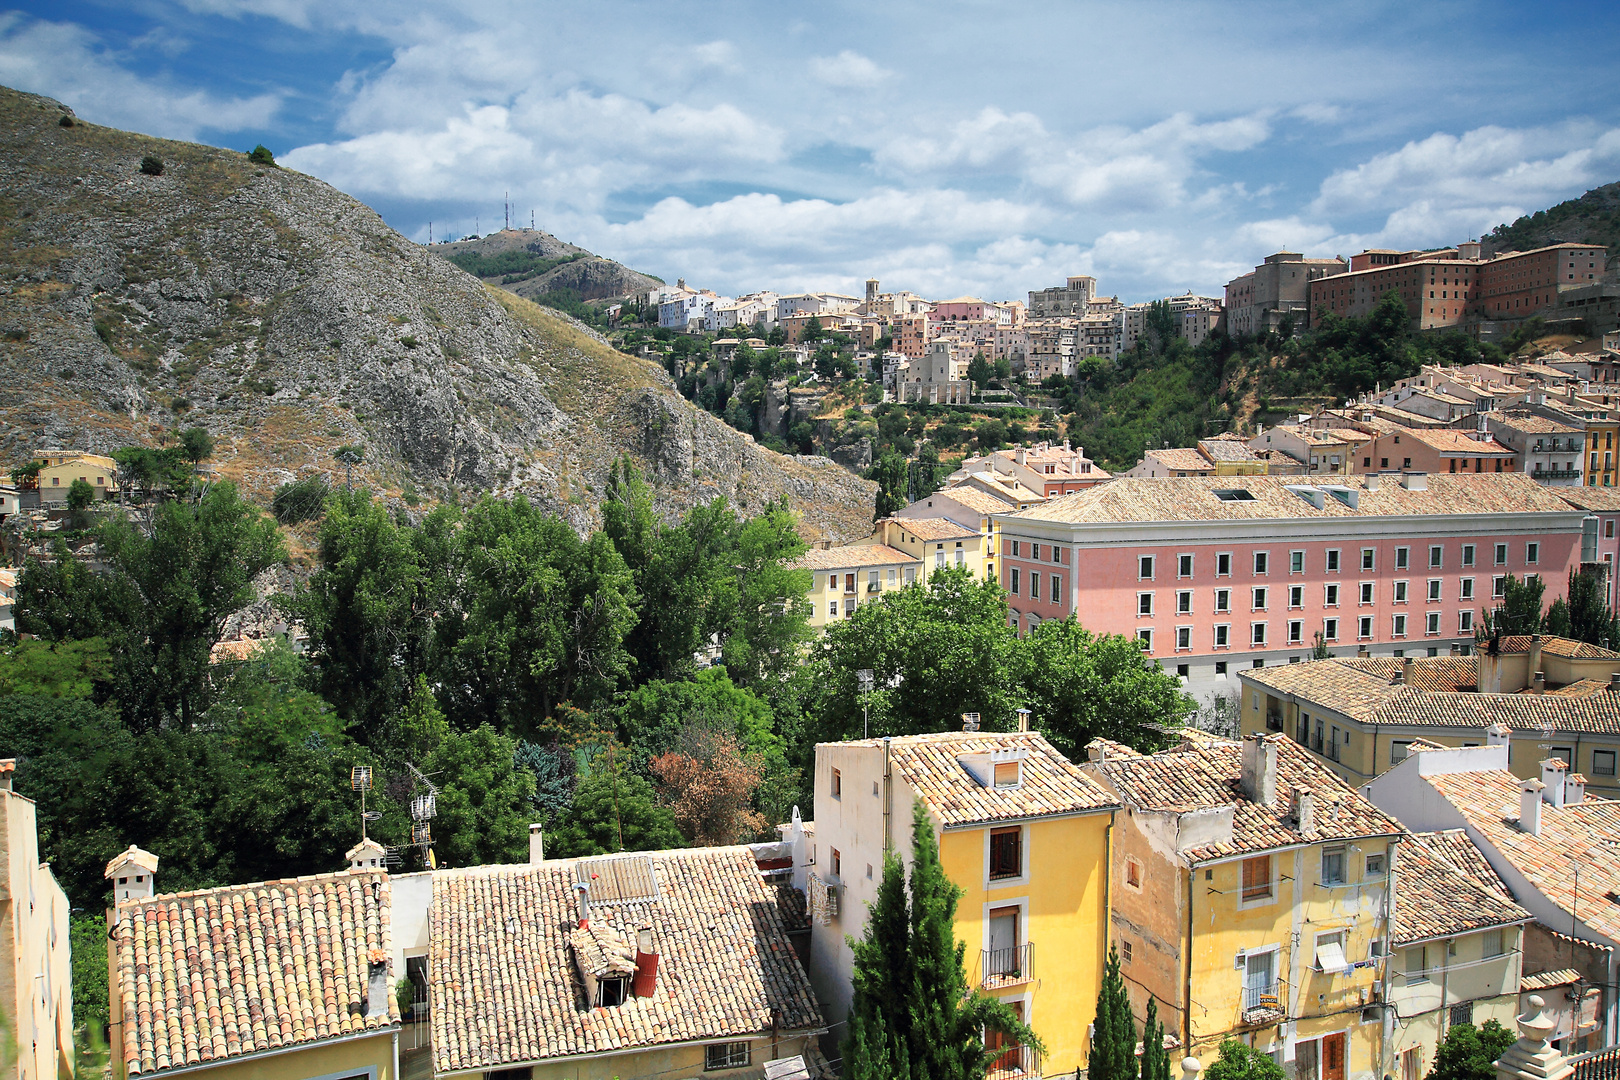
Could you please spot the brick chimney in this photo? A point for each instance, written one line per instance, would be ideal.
(1259, 768)
(646, 980)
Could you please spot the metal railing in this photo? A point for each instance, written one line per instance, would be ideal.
(1263, 1000)
(1013, 1062)
(1000, 967)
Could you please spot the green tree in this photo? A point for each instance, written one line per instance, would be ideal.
(483, 799)
(913, 1012)
(196, 445)
(936, 650)
(1155, 1063)
(1080, 686)
(1320, 650)
(1468, 1053)
(613, 810)
(57, 669)
(26, 476)
(80, 495)
(812, 331)
(1237, 1060)
(88, 948)
(262, 156)
(890, 472)
(1113, 1042)
(1585, 615)
(1519, 611)
(979, 371)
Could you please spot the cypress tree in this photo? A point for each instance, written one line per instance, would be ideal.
(1113, 1041)
(1155, 1063)
(875, 1045)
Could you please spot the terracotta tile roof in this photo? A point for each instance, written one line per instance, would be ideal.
(983, 501)
(1225, 450)
(1581, 688)
(1176, 458)
(1591, 498)
(1049, 783)
(1534, 424)
(1452, 443)
(1546, 980)
(1557, 646)
(1209, 775)
(935, 528)
(1435, 899)
(1583, 834)
(216, 973)
(852, 556)
(1454, 847)
(1193, 498)
(506, 989)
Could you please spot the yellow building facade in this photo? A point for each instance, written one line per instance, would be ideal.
(844, 578)
(59, 468)
(1024, 834)
(36, 975)
(1249, 897)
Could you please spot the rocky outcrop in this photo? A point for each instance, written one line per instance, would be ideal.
(290, 320)
(588, 277)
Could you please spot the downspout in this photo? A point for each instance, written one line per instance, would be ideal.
(888, 798)
(1186, 1002)
(1445, 993)
(396, 1053)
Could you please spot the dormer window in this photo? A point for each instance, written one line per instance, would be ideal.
(1008, 774)
(614, 991)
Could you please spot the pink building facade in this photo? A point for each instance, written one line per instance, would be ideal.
(1217, 574)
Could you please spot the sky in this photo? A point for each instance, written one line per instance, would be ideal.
(948, 148)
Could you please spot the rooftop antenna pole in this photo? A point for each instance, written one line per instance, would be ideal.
(423, 809)
(360, 780)
(864, 677)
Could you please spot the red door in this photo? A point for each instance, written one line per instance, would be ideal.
(1333, 1057)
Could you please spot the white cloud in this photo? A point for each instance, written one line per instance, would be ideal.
(66, 62)
(848, 70)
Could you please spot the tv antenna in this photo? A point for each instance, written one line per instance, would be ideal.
(360, 780)
(424, 808)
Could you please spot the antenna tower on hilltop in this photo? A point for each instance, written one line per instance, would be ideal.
(507, 203)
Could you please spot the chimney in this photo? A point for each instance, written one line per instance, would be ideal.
(1552, 780)
(1023, 719)
(1535, 654)
(1614, 681)
(1408, 669)
(1574, 789)
(133, 874)
(1415, 481)
(1303, 810)
(537, 844)
(646, 981)
(1498, 734)
(1487, 672)
(583, 892)
(1372, 481)
(1259, 769)
(1538, 685)
(8, 768)
(1530, 806)
(378, 991)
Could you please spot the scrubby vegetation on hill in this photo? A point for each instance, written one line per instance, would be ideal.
(1594, 218)
(510, 266)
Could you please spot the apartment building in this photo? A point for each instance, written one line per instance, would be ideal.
(842, 578)
(1435, 450)
(1250, 896)
(1548, 451)
(1362, 715)
(935, 543)
(60, 468)
(1023, 833)
(36, 974)
(1220, 456)
(1522, 283)
(1323, 452)
(1279, 288)
(1045, 468)
(1602, 506)
(1219, 574)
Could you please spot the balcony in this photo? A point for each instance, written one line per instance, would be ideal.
(1015, 1062)
(1007, 967)
(1264, 1004)
(1274, 721)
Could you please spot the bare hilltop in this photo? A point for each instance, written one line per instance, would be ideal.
(147, 284)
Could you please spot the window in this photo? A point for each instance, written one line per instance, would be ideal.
(1144, 603)
(1220, 665)
(1377, 864)
(1398, 750)
(1133, 873)
(1183, 637)
(1333, 561)
(1184, 566)
(1184, 602)
(1183, 670)
(1468, 555)
(1057, 588)
(1436, 555)
(1222, 632)
(1330, 595)
(1399, 627)
(1532, 553)
(1145, 636)
(1223, 600)
(872, 583)
(837, 784)
(1012, 581)
(1501, 554)
(1465, 621)
(1431, 623)
(1261, 561)
(1498, 586)
(1259, 599)
(1417, 964)
(1493, 943)
(1296, 629)
(1257, 633)
(1006, 852)
(717, 1056)
(1296, 562)
(1364, 628)
(1603, 763)
(1333, 865)
(1402, 558)
(1465, 589)
(1366, 592)
(1257, 878)
(1460, 1014)
(1296, 596)
(1330, 629)
(1223, 564)
(1434, 590)
(1144, 568)
(832, 609)
(1367, 558)
(837, 864)
(1035, 587)
(1015, 549)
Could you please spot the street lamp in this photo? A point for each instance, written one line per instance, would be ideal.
(864, 677)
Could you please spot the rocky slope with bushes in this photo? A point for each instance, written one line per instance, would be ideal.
(147, 284)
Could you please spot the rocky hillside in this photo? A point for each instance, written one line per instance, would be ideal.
(1594, 218)
(289, 320)
(532, 263)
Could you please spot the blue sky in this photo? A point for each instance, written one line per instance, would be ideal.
(947, 148)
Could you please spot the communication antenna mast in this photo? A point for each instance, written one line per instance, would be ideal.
(507, 204)
(360, 780)
(424, 808)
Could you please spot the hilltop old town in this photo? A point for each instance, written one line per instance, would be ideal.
(432, 650)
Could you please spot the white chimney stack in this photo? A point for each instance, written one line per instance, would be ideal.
(1260, 768)
(537, 844)
(1304, 809)
(583, 892)
(133, 874)
(1530, 806)
(1498, 734)
(1553, 771)
(1574, 789)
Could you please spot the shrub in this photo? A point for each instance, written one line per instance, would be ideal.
(409, 341)
(104, 331)
(80, 494)
(300, 500)
(66, 121)
(152, 166)
(262, 156)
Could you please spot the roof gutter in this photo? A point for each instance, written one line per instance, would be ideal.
(214, 1063)
(480, 1070)
(1401, 943)
(1105, 809)
(1294, 847)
